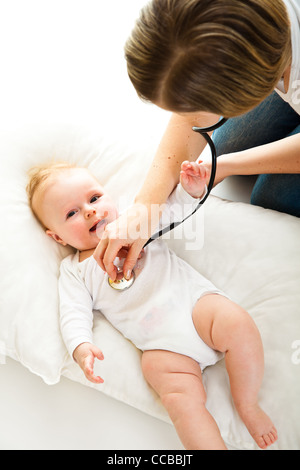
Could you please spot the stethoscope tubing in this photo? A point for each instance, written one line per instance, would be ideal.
(204, 131)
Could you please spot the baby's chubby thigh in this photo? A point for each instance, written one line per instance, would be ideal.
(222, 324)
(173, 376)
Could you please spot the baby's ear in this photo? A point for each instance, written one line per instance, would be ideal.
(55, 237)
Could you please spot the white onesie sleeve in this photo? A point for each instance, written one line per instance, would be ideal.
(76, 309)
(179, 205)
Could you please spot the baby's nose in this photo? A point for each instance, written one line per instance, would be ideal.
(89, 213)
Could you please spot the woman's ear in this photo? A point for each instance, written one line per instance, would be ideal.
(55, 237)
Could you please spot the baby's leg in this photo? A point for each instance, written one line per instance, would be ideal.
(226, 327)
(177, 380)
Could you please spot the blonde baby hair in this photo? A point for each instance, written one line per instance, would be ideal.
(39, 177)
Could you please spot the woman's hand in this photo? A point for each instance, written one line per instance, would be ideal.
(126, 236)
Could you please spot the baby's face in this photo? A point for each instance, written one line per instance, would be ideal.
(76, 210)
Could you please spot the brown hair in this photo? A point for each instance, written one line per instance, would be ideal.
(220, 56)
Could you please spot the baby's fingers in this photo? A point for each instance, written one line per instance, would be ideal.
(191, 168)
(203, 172)
(96, 379)
(89, 369)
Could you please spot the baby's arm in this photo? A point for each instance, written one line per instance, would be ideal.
(187, 195)
(76, 321)
(193, 178)
(85, 355)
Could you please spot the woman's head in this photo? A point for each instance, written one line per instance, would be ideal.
(220, 56)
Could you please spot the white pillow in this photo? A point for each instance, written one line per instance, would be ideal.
(251, 253)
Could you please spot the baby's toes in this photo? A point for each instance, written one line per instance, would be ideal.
(266, 440)
(260, 442)
(273, 435)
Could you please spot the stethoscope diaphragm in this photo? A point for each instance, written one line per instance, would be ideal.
(123, 283)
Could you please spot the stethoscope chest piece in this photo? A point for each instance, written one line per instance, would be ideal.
(122, 284)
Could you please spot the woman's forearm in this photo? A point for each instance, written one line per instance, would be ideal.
(282, 156)
(178, 144)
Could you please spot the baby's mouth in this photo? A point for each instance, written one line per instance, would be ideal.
(98, 225)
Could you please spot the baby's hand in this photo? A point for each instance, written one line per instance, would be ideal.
(193, 178)
(85, 355)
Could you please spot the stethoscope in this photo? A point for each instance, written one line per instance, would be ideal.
(123, 283)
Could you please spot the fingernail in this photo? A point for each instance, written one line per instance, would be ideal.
(128, 274)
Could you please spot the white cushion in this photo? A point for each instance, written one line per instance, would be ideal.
(251, 253)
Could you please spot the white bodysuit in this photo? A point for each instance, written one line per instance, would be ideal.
(154, 313)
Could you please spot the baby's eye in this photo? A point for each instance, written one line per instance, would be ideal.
(70, 214)
(94, 198)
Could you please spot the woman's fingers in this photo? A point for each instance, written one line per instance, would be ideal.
(105, 254)
(124, 238)
(134, 254)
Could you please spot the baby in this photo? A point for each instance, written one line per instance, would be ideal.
(180, 330)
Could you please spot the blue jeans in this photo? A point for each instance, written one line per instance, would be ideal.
(272, 120)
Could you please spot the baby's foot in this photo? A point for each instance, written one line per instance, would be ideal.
(259, 425)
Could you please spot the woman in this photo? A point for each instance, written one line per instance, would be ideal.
(203, 59)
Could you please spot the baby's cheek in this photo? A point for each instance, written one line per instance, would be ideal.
(112, 213)
(76, 233)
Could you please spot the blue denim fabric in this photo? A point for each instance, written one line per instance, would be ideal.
(272, 120)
